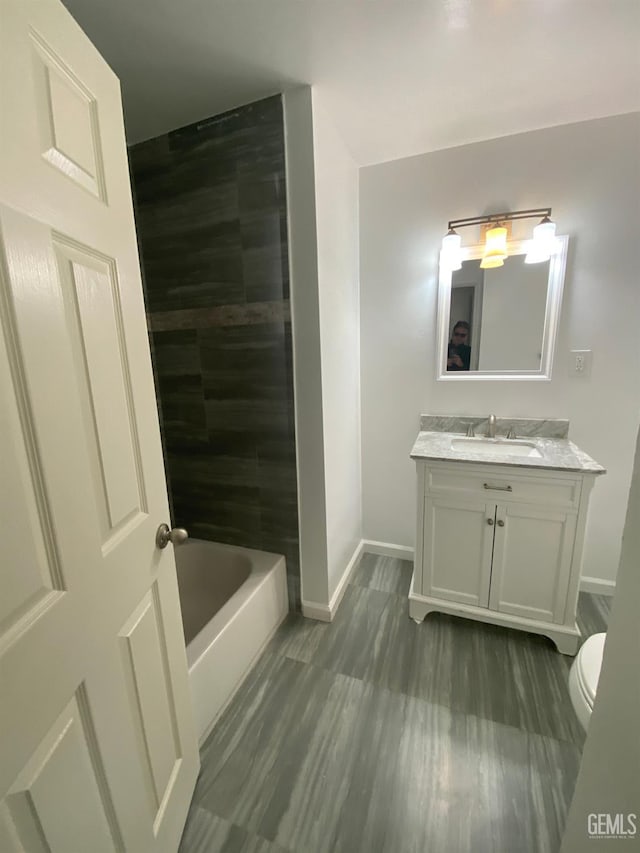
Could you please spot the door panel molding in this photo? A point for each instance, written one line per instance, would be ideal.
(144, 652)
(67, 108)
(96, 330)
(61, 800)
(471, 554)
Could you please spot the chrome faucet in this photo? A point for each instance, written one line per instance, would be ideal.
(491, 426)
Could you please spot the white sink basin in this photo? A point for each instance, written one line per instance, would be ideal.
(496, 447)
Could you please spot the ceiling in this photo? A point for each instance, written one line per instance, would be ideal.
(398, 77)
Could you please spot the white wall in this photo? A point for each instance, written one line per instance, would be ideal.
(512, 335)
(336, 181)
(322, 197)
(305, 311)
(588, 174)
(608, 780)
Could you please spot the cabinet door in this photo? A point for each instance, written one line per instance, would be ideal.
(531, 561)
(458, 541)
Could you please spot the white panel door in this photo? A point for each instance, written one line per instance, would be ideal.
(532, 561)
(97, 745)
(458, 543)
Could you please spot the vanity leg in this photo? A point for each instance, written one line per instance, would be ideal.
(418, 610)
(567, 644)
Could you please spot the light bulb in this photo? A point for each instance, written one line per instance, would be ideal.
(543, 244)
(495, 248)
(451, 252)
(545, 231)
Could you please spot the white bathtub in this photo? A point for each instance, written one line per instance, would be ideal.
(232, 600)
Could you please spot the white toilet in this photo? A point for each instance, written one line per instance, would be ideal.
(584, 675)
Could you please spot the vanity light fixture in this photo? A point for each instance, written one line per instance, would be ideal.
(495, 248)
(539, 249)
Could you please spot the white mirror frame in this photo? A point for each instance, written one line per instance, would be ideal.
(557, 267)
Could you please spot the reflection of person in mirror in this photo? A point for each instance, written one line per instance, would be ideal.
(459, 351)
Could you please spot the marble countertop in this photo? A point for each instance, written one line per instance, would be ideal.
(557, 454)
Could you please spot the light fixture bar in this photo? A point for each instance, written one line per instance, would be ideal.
(538, 212)
(496, 235)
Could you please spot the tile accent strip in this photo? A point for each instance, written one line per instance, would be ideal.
(250, 314)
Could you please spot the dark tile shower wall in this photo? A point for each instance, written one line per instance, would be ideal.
(210, 207)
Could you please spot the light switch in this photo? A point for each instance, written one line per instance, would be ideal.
(580, 362)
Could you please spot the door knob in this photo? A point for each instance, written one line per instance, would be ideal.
(164, 535)
(490, 522)
(500, 523)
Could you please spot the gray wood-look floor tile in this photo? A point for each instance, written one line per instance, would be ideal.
(492, 672)
(370, 639)
(373, 734)
(298, 638)
(593, 613)
(208, 833)
(368, 769)
(495, 673)
(386, 574)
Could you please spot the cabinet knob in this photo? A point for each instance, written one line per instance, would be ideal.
(490, 522)
(500, 523)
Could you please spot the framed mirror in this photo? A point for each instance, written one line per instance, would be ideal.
(499, 323)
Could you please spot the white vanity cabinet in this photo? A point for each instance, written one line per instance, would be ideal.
(501, 544)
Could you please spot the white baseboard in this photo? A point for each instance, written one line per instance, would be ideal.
(388, 549)
(336, 598)
(314, 610)
(597, 586)
(326, 612)
(403, 552)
